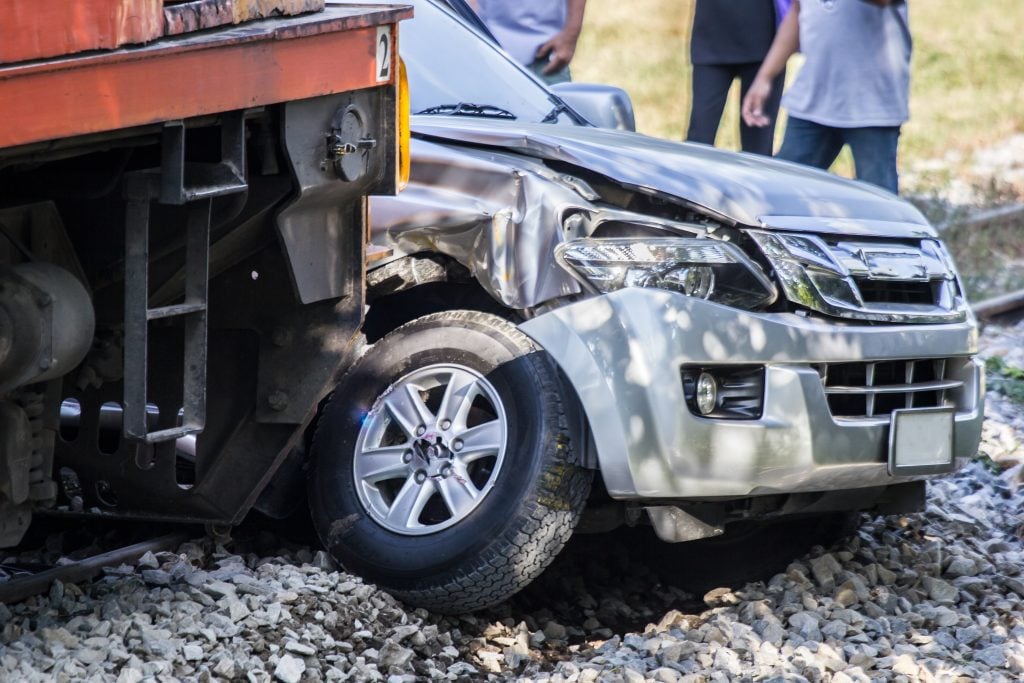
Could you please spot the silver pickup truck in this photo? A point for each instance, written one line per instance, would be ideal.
(572, 322)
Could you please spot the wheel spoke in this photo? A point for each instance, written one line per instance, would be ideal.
(439, 401)
(408, 409)
(458, 397)
(458, 492)
(409, 503)
(483, 440)
(462, 405)
(380, 464)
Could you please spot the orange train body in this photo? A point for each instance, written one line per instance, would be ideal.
(246, 65)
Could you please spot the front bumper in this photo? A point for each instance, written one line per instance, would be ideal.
(623, 352)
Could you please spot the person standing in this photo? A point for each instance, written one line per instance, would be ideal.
(853, 89)
(729, 40)
(540, 34)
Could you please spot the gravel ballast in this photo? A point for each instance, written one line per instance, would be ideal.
(930, 596)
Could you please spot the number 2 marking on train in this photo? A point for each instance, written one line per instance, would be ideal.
(383, 53)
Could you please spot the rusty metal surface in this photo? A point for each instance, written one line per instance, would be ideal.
(192, 16)
(246, 10)
(34, 29)
(184, 17)
(249, 65)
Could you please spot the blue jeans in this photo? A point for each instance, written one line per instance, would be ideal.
(874, 149)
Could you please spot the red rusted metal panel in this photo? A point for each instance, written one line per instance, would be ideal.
(32, 29)
(249, 65)
(35, 29)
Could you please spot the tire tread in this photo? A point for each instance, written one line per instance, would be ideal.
(546, 518)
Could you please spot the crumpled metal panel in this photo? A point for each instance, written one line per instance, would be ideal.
(498, 214)
(482, 194)
(740, 187)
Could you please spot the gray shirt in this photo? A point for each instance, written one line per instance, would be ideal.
(522, 26)
(857, 68)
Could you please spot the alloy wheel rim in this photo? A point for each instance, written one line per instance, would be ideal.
(430, 449)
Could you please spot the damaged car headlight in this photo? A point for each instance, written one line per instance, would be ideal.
(704, 268)
(866, 280)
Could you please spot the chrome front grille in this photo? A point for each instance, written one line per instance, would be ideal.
(874, 389)
(884, 281)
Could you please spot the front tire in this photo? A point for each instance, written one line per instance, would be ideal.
(443, 467)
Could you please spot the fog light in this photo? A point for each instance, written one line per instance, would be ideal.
(733, 392)
(707, 393)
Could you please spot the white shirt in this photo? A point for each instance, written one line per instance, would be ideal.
(857, 72)
(522, 26)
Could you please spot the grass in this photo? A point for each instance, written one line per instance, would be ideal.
(1006, 379)
(967, 89)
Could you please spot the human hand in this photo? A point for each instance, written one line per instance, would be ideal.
(559, 51)
(753, 104)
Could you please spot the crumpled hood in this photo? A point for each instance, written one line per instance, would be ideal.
(749, 189)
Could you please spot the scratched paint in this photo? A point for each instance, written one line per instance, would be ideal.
(257, 9)
(184, 17)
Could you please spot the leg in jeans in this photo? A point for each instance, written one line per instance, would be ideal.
(874, 155)
(810, 144)
(711, 85)
(760, 140)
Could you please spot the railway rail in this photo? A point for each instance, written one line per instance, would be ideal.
(1004, 304)
(23, 583)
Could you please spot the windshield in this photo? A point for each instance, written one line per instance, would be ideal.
(450, 64)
